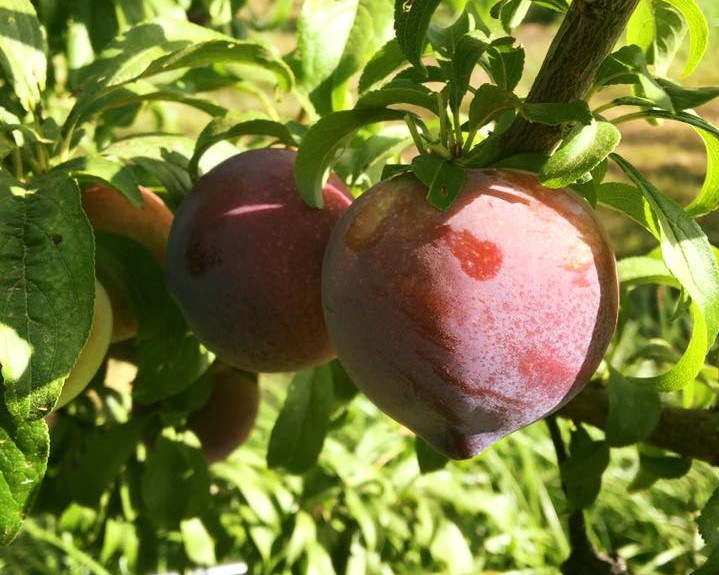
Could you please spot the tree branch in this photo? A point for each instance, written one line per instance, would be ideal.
(587, 35)
(688, 432)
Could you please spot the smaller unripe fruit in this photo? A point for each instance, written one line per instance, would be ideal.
(226, 420)
(94, 351)
(149, 225)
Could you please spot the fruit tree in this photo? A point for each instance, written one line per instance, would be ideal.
(359, 286)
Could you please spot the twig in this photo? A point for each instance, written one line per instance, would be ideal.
(585, 38)
(584, 559)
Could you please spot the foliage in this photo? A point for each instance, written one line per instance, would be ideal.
(326, 484)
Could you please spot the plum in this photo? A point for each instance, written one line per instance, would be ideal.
(228, 417)
(149, 225)
(244, 261)
(468, 324)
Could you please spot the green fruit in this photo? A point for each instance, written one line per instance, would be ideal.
(94, 351)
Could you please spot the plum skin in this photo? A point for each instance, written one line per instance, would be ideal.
(227, 419)
(468, 324)
(149, 225)
(93, 352)
(244, 261)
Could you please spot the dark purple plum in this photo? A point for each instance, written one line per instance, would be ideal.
(468, 324)
(227, 419)
(244, 261)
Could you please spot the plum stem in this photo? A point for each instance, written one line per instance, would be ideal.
(583, 559)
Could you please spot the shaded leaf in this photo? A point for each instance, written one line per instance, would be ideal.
(443, 178)
(385, 61)
(24, 450)
(102, 462)
(175, 483)
(411, 20)
(633, 411)
(582, 471)
(556, 114)
(428, 458)
(300, 429)
(233, 125)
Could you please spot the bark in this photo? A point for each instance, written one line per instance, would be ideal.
(688, 432)
(585, 38)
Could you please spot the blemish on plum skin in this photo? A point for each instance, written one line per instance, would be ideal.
(199, 259)
(479, 259)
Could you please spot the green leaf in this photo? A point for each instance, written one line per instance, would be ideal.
(175, 483)
(698, 32)
(428, 458)
(169, 358)
(556, 114)
(643, 270)
(583, 149)
(323, 141)
(685, 249)
(504, 63)
(320, 53)
(233, 125)
(48, 287)
(24, 449)
(467, 52)
(628, 66)
(707, 200)
(300, 429)
(708, 521)
(683, 98)
(582, 471)
(488, 103)
(633, 411)
(102, 462)
(665, 467)
(385, 61)
(443, 39)
(710, 566)
(670, 30)
(399, 92)
(359, 29)
(98, 169)
(164, 157)
(641, 28)
(197, 541)
(411, 20)
(512, 13)
(164, 45)
(443, 178)
(22, 51)
(630, 201)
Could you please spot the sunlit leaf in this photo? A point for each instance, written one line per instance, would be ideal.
(584, 148)
(47, 287)
(22, 51)
(322, 142)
